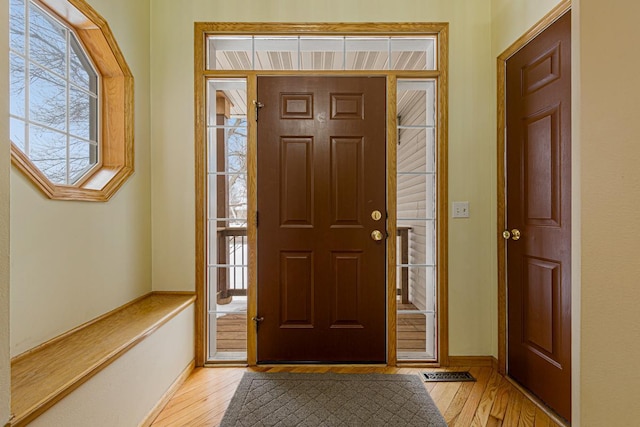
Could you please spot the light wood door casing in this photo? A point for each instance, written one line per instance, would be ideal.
(538, 170)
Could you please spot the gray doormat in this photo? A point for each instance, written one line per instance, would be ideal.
(447, 376)
(290, 399)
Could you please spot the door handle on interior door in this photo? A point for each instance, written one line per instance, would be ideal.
(377, 235)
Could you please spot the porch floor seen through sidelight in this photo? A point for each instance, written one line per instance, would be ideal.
(231, 333)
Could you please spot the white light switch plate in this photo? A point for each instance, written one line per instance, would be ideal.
(461, 209)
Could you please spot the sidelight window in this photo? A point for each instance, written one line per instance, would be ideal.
(227, 218)
(416, 219)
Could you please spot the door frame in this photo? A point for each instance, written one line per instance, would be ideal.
(201, 31)
(539, 27)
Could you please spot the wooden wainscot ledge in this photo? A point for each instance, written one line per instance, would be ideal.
(45, 374)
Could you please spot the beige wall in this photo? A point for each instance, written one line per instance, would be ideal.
(610, 176)
(5, 373)
(472, 146)
(512, 18)
(72, 261)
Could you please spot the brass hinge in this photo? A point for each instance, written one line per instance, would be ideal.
(257, 105)
(257, 320)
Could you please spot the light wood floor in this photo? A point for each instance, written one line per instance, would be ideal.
(490, 401)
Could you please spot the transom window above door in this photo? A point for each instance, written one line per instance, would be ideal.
(321, 53)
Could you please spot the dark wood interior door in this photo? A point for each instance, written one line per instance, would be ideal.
(539, 207)
(321, 174)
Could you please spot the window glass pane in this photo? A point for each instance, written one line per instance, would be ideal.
(276, 53)
(47, 41)
(233, 140)
(47, 98)
(417, 103)
(230, 53)
(48, 151)
(236, 135)
(416, 150)
(226, 98)
(16, 25)
(235, 188)
(367, 53)
(17, 129)
(228, 336)
(416, 238)
(229, 246)
(416, 335)
(17, 85)
(80, 108)
(228, 282)
(82, 156)
(418, 290)
(416, 196)
(81, 71)
(411, 53)
(322, 53)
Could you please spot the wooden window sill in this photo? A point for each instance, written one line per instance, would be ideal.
(44, 375)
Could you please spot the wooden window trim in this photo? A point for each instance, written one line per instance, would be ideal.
(116, 139)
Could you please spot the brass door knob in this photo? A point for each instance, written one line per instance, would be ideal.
(377, 235)
(513, 234)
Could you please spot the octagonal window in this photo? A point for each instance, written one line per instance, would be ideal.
(71, 118)
(54, 95)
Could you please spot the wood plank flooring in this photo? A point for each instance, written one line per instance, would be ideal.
(490, 401)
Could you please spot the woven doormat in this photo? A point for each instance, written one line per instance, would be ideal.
(442, 376)
(318, 400)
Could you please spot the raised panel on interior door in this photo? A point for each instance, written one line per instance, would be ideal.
(296, 182)
(541, 170)
(347, 285)
(542, 71)
(296, 106)
(541, 296)
(296, 289)
(347, 181)
(347, 106)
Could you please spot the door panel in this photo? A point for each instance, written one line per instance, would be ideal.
(321, 171)
(296, 190)
(539, 206)
(296, 291)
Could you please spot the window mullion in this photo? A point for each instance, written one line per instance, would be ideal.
(27, 70)
(68, 109)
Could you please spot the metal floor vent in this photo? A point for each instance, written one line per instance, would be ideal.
(443, 376)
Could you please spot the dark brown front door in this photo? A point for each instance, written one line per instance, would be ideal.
(321, 174)
(539, 207)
